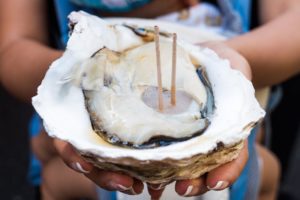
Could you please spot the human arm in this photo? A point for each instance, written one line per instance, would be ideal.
(24, 54)
(154, 9)
(272, 49)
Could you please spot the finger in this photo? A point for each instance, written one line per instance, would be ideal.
(115, 181)
(225, 175)
(71, 158)
(193, 187)
(155, 190)
(237, 61)
(137, 188)
(105, 179)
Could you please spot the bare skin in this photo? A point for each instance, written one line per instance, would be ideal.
(24, 54)
(272, 49)
(59, 181)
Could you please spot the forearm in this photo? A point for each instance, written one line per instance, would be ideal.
(154, 9)
(273, 49)
(23, 65)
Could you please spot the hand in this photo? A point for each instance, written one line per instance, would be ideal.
(225, 175)
(156, 8)
(217, 179)
(237, 61)
(105, 179)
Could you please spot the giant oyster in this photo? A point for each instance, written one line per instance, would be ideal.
(96, 96)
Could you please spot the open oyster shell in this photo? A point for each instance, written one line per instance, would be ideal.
(63, 103)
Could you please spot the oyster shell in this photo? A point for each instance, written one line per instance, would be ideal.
(78, 98)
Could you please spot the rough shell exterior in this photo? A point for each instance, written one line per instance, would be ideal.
(167, 170)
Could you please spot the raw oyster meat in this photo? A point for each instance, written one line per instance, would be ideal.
(99, 97)
(120, 88)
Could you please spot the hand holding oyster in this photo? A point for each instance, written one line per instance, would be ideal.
(99, 97)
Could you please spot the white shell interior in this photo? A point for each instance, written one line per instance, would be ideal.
(60, 103)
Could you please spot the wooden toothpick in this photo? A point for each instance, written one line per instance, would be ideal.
(173, 83)
(159, 81)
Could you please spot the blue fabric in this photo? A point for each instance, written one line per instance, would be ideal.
(111, 5)
(63, 9)
(35, 125)
(235, 16)
(34, 174)
(107, 195)
(244, 10)
(246, 187)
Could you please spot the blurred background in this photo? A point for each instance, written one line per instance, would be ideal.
(14, 148)
(285, 140)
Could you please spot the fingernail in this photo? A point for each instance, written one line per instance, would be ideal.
(188, 191)
(221, 185)
(157, 186)
(77, 167)
(123, 188)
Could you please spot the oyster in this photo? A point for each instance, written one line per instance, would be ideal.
(105, 83)
(120, 90)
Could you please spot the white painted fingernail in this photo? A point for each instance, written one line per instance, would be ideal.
(76, 166)
(219, 186)
(132, 191)
(122, 188)
(157, 187)
(188, 191)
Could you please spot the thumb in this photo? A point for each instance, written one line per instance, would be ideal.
(225, 175)
(71, 158)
